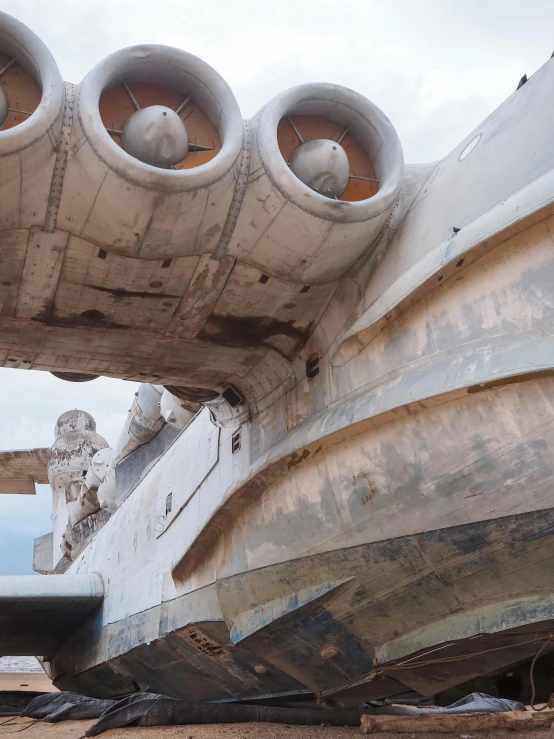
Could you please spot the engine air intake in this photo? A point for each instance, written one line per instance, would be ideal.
(164, 109)
(326, 157)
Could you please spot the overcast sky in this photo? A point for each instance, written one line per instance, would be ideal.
(435, 67)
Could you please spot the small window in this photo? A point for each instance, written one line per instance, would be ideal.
(235, 442)
(102, 253)
(264, 279)
(470, 147)
(312, 366)
(166, 263)
(168, 503)
(305, 289)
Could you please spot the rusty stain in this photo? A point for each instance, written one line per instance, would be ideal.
(201, 278)
(123, 293)
(200, 298)
(247, 331)
(90, 317)
(213, 231)
(251, 359)
(296, 458)
(373, 489)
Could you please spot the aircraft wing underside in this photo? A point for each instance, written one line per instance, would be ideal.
(38, 614)
(21, 469)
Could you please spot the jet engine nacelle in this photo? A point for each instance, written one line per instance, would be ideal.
(325, 173)
(155, 142)
(140, 201)
(31, 110)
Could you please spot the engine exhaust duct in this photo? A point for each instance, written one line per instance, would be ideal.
(332, 168)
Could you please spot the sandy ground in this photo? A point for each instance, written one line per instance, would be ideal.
(35, 681)
(76, 730)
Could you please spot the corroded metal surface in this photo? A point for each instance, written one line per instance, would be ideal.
(370, 476)
(159, 254)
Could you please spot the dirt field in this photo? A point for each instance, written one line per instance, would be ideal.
(33, 681)
(76, 729)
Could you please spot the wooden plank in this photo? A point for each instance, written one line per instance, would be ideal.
(456, 723)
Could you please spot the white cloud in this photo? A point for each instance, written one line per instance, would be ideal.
(415, 60)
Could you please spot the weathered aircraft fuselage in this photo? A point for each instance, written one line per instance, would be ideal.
(346, 455)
